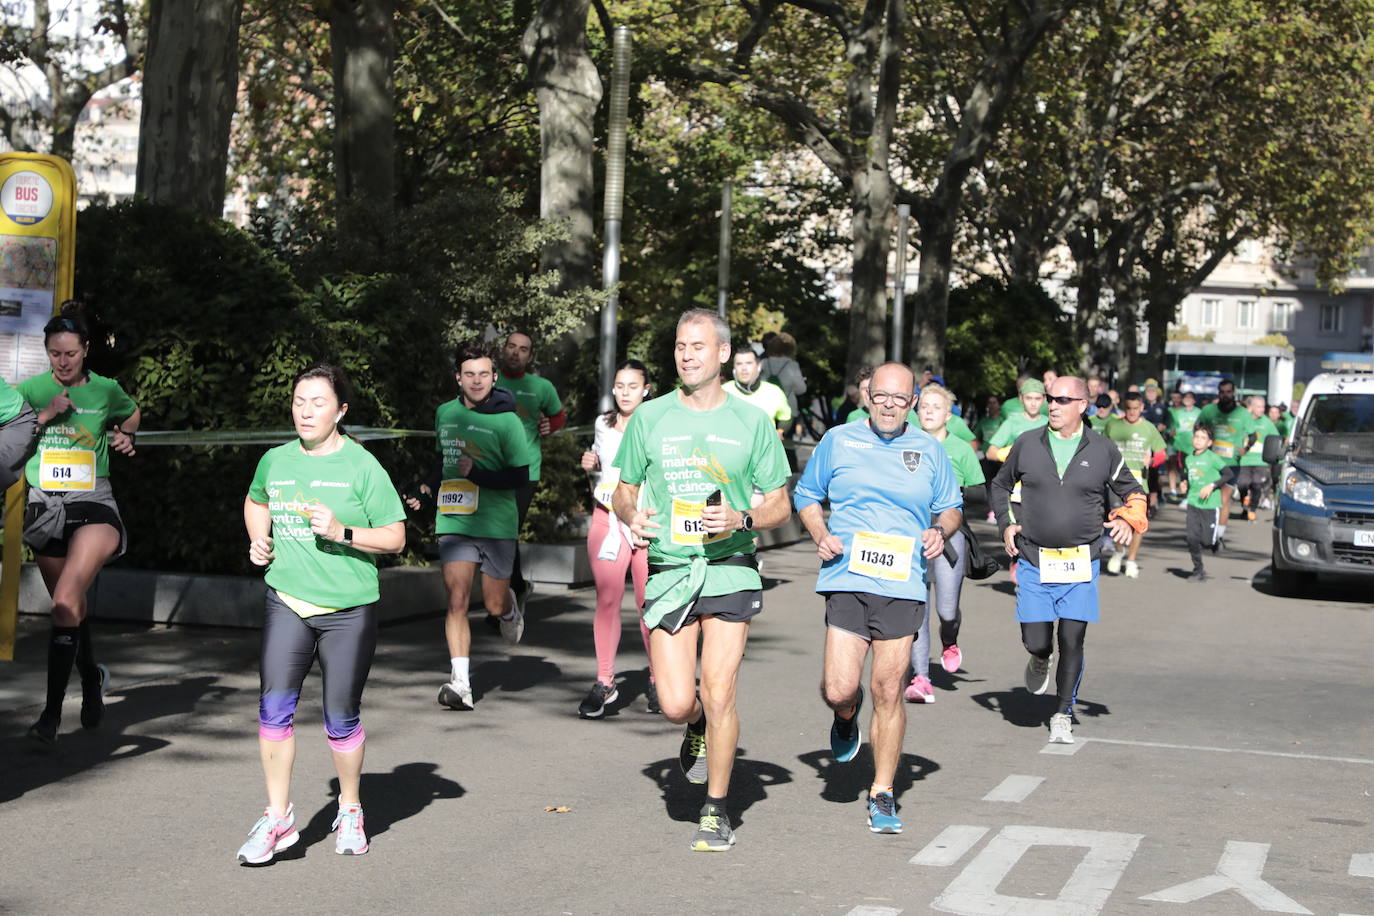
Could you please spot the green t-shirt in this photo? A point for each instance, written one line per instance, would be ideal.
(1181, 423)
(535, 397)
(678, 456)
(1260, 426)
(1062, 449)
(1203, 469)
(767, 397)
(957, 427)
(493, 441)
(1137, 442)
(966, 467)
(11, 402)
(1099, 423)
(81, 431)
(987, 428)
(1228, 430)
(352, 485)
(1013, 426)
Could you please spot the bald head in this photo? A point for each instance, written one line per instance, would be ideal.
(1068, 386)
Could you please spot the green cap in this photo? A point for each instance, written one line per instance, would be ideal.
(1032, 386)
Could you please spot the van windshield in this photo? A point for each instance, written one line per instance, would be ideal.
(1340, 428)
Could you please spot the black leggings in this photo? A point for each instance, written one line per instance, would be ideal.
(1037, 637)
(345, 641)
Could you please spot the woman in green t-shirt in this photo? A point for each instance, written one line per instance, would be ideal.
(319, 509)
(71, 520)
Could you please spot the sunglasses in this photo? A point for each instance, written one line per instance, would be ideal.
(1065, 399)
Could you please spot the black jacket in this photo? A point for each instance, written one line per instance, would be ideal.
(1058, 512)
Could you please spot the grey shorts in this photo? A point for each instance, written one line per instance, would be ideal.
(496, 555)
(736, 607)
(1252, 475)
(871, 617)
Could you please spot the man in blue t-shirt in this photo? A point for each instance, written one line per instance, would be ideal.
(885, 480)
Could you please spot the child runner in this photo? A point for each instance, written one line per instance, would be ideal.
(1205, 469)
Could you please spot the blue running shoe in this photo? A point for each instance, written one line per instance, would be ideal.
(845, 734)
(882, 814)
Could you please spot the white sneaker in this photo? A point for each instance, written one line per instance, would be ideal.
(456, 695)
(1132, 569)
(1114, 564)
(1061, 728)
(514, 628)
(1266, 504)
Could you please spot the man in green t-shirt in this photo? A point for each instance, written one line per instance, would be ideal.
(748, 386)
(1205, 470)
(1252, 479)
(1032, 399)
(689, 465)
(541, 413)
(1180, 432)
(1142, 448)
(1230, 426)
(484, 459)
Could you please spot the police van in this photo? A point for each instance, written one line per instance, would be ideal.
(1324, 519)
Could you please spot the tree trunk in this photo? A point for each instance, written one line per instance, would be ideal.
(930, 305)
(1158, 315)
(190, 82)
(363, 51)
(871, 200)
(1127, 336)
(1087, 319)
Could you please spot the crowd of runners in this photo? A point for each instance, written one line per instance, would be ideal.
(1068, 471)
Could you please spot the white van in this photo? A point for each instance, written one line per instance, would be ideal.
(1324, 520)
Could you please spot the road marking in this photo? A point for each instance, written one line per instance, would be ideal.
(1014, 789)
(1231, 750)
(1362, 865)
(949, 847)
(1239, 870)
(873, 911)
(974, 891)
(1064, 750)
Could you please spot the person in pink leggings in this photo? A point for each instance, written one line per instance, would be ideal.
(609, 545)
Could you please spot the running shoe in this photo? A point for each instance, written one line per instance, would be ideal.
(845, 734)
(594, 706)
(456, 695)
(269, 836)
(713, 830)
(44, 730)
(1266, 503)
(522, 595)
(1114, 564)
(952, 659)
(514, 628)
(1061, 728)
(93, 698)
(651, 700)
(882, 814)
(351, 841)
(1199, 575)
(692, 755)
(1038, 674)
(1132, 569)
(1250, 515)
(920, 690)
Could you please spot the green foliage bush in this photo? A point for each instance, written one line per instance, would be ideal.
(996, 332)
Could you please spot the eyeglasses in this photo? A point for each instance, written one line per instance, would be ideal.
(883, 397)
(1065, 399)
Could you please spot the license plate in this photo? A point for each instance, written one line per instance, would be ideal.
(1364, 538)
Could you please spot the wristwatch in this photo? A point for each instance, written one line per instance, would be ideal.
(746, 521)
(347, 539)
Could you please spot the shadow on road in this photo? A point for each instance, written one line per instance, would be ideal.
(749, 784)
(513, 674)
(1347, 589)
(1024, 709)
(845, 783)
(78, 750)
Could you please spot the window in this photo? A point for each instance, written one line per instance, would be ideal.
(1331, 318)
(1245, 313)
(1282, 317)
(1211, 312)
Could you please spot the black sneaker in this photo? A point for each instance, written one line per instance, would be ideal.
(692, 755)
(44, 730)
(93, 698)
(651, 700)
(594, 706)
(713, 830)
(1198, 575)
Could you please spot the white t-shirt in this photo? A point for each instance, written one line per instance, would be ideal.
(605, 442)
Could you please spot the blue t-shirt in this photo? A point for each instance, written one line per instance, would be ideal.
(889, 491)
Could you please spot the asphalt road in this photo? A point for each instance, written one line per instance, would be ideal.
(1225, 765)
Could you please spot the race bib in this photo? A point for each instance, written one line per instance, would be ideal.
(688, 528)
(605, 488)
(1224, 448)
(457, 497)
(1016, 492)
(1059, 565)
(66, 469)
(881, 556)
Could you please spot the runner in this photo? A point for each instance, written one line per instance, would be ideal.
(1055, 536)
(1101, 413)
(1142, 448)
(608, 544)
(885, 481)
(72, 522)
(318, 510)
(1013, 406)
(541, 413)
(18, 435)
(1252, 479)
(1156, 413)
(696, 454)
(749, 386)
(987, 425)
(933, 409)
(1230, 424)
(1204, 468)
(1030, 416)
(484, 460)
(1181, 420)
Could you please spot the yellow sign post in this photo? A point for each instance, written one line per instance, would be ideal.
(37, 268)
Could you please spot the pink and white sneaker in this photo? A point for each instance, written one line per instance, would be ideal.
(351, 841)
(951, 659)
(920, 690)
(269, 836)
